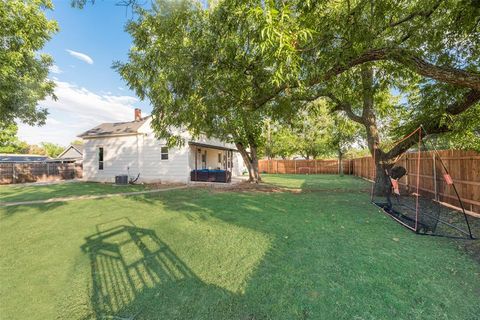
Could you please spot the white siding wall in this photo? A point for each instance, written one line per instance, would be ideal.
(119, 154)
(215, 142)
(238, 164)
(175, 169)
(140, 153)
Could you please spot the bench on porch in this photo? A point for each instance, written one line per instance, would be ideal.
(211, 175)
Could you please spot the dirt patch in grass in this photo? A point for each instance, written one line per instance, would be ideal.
(156, 186)
(270, 188)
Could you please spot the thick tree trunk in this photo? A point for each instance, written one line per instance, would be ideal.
(340, 163)
(254, 161)
(251, 161)
(382, 191)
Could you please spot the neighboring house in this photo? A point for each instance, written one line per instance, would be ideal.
(22, 158)
(112, 149)
(73, 152)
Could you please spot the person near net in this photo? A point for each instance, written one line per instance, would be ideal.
(396, 173)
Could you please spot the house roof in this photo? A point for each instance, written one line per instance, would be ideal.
(211, 146)
(112, 129)
(77, 147)
(22, 158)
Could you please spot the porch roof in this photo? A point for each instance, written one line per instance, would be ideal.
(211, 146)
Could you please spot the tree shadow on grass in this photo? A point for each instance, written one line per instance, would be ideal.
(40, 208)
(319, 253)
(135, 275)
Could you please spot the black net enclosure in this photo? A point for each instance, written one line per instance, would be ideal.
(415, 189)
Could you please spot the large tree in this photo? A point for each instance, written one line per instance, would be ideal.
(251, 58)
(361, 52)
(24, 29)
(203, 70)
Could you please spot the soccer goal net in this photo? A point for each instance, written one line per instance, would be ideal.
(416, 190)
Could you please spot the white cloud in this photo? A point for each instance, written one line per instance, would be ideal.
(55, 69)
(80, 56)
(77, 110)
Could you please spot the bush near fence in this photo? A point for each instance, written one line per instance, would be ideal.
(464, 168)
(38, 172)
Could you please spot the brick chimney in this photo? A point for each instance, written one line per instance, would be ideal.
(138, 114)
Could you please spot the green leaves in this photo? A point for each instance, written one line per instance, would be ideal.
(24, 29)
(9, 142)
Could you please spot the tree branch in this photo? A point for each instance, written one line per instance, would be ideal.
(424, 14)
(468, 100)
(345, 107)
(434, 127)
(446, 74)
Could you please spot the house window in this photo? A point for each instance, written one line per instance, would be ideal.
(164, 153)
(219, 158)
(100, 158)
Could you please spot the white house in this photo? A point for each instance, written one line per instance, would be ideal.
(73, 152)
(131, 148)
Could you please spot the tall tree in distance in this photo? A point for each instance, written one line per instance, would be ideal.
(51, 149)
(343, 135)
(9, 142)
(24, 29)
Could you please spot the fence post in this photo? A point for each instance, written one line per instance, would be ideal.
(435, 178)
(295, 163)
(13, 173)
(406, 168)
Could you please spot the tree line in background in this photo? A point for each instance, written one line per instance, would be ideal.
(281, 77)
(314, 133)
(10, 143)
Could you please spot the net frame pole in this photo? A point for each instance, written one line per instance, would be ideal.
(453, 186)
(435, 187)
(374, 174)
(418, 178)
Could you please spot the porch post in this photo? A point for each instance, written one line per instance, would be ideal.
(196, 155)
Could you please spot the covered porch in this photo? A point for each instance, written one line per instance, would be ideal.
(211, 163)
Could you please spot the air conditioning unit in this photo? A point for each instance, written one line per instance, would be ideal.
(121, 180)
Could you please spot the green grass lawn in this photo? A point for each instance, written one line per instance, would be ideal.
(316, 182)
(210, 254)
(12, 193)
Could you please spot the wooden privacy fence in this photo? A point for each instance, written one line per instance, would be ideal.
(463, 166)
(329, 166)
(38, 172)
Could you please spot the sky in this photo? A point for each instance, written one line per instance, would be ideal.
(89, 91)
